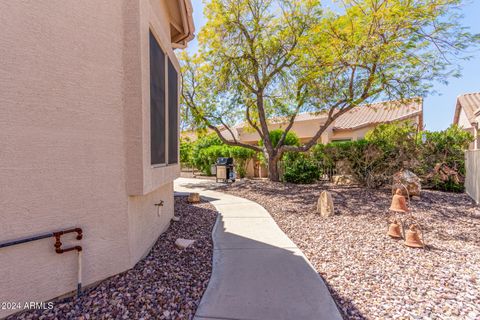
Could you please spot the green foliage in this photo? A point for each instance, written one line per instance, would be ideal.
(207, 149)
(240, 156)
(442, 162)
(300, 168)
(186, 149)
(202, 159)
(446, 147)
(291, 139)
(436, 157)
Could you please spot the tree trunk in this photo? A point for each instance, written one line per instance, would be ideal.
(273, 174)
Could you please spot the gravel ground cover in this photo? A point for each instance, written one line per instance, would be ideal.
(370, 275)
(167, 284)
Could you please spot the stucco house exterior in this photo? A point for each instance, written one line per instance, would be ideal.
(89, 127)
(467, 116)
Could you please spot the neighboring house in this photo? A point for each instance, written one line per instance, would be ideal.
(352, 125)
(89, 127)
(467, 116)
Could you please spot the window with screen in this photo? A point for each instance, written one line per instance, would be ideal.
(172, 114)
(157, 102)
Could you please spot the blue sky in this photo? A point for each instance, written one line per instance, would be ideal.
(439, 107)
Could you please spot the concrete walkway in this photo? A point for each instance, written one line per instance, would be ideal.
(258, 272)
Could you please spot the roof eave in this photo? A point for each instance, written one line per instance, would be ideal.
(366, 124)
(186, 11)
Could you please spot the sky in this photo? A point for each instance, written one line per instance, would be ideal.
(439, 107)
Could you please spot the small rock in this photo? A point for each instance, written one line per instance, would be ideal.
(183, 243)
(176, 218)
(193, 197)
(343, 180)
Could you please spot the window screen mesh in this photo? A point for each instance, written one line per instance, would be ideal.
(157, 102)
(172, 114)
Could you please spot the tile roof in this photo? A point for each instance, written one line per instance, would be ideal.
(380, 112)
(362, 115)
(470, 103)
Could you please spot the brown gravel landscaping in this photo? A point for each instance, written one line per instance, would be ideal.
(167, 284)
(370, 275)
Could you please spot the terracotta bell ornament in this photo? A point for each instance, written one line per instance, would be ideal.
(399, 203)
(412, 237)
(394, 230)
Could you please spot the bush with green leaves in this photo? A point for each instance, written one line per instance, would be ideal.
(201, 159)
(241, 156)
(207, 149)
(186, 149)
(442, 161)
(300, 168)
(291, 139)
(436, 157)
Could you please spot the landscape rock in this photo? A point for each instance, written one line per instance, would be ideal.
(183, 243)
(163, 285)
(194, 197)
(343, 180)
(325, 204)
(370, 275)
(408, 179)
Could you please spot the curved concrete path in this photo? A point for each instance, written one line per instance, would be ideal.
(258, 272)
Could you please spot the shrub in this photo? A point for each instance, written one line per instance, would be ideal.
(300, 168)
(241, 156)
(442, 162)
(436, 157)
(186, 149)
(202, 159)
(206, 150)
(291, 139)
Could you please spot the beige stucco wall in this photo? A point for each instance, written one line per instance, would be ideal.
(74, 122)
(306, 129)
(472, 178)
(464, 123)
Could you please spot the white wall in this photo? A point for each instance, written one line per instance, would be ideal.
(472, 179)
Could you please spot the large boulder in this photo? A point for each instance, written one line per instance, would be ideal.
(409, 180)
(325, 204)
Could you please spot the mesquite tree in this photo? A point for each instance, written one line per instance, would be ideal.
(262, 61)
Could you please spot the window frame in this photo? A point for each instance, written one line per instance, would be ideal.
(167, 124)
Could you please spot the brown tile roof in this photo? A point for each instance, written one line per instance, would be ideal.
(380, 112)
(470, 102)
(364, 115)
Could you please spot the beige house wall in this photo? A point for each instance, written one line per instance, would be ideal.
(306, 129)
(464, 123)
(75, 147)
(472, 178)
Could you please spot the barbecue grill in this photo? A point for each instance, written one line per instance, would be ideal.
(225, 170)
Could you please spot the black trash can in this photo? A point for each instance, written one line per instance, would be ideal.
(225, 170)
